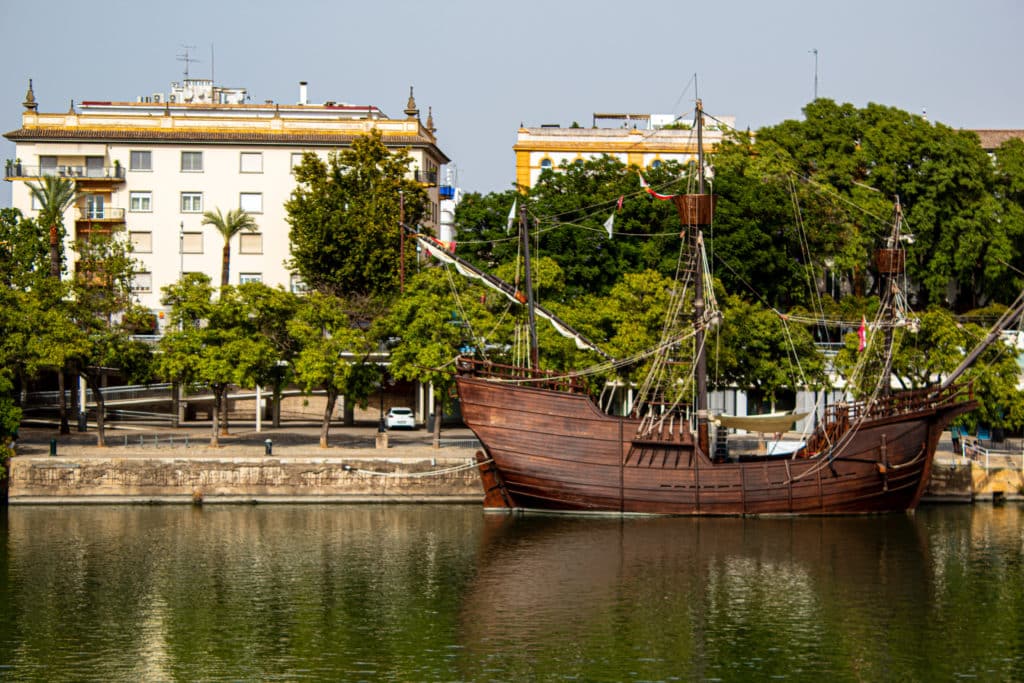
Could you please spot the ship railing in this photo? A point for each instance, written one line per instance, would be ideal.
(839, 416)
(545, 379)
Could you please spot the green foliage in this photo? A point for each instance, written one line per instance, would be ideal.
(344, 217)
(23, 251)
(229, 225)
(54, 196)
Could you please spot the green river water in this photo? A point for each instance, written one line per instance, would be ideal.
(450, 593)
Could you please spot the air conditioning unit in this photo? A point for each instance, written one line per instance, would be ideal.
(172, 99)
(158, 97)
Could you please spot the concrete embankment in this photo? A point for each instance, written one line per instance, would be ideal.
(956, 479)
(182, 469)
(357, 477)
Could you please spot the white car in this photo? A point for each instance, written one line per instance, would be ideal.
(400, 418)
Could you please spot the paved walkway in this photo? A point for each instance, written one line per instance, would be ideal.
(293, 439)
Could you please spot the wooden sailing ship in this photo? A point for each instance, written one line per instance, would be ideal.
(547, 445)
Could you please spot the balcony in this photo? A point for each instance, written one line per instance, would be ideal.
(428, 178)
(104, 214)
(82, 174)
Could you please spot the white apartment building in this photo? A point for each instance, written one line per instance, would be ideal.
(641, 140)
(153, 166)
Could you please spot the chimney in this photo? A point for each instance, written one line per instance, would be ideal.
(302, 93)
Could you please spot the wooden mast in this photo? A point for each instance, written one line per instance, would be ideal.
(524, 235)
(695, 211)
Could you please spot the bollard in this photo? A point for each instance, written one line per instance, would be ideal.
(53, 446)
(268, 447)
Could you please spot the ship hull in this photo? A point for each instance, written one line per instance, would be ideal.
(552, 450)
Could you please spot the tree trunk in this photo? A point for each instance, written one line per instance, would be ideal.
(438, 416)
(325, 426)
(175, 404)
(65, 428)
(225, 266)
(349, 410)
(54, 253)
(214, 415)
(224, 413)
(275, 411)
(101, 436)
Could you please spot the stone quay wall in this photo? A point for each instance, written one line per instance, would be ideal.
(208, 479)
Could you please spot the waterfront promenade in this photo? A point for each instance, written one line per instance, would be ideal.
(159, 464)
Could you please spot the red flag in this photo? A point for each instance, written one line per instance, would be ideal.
(643, 184)
(862, 334)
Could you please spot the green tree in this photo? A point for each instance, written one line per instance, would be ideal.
(438, 315)
(228, 225)
(54, 196)
(268, 312)
(106, 317)
(344, 216)
(334, 353)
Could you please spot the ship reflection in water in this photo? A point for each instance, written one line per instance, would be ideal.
(729, 598)
(450, 593)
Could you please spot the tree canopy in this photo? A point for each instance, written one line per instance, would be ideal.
(344, 217)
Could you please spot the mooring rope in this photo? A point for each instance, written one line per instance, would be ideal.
(416, 475)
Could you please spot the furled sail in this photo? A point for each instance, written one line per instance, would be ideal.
(468, 270)
(773, 422)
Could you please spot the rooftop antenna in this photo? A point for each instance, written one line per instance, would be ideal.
(814, 51)
(212, 81)
(186, 58)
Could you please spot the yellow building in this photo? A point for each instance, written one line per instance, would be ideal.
(641, 140)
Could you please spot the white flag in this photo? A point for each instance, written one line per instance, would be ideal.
(511, 217)
(609, 223)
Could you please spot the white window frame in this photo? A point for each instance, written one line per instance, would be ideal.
(250, 202)
(297, 158)
(191, 202)
(140, 201)
(191, 243)
(141, 241)
(244, 278)
(143, 154)
(250, 243)
(250, 162)
(296, 285)
(192, 155)
(142, 283)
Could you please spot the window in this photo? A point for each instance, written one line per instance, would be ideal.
(192, 161)
(140, 201)
(656, 163)
(249, 277)
(296, 158)
(250, 243)
(251, 202)
(296, 284)
(94, 167)
(191, 202)
(139, 160)
(142, 242)
(546, 163)
(36, 205)
(191, 243)
(47, 165)
(251, 162)
(142, 283)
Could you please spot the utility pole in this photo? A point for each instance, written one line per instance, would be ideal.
(814, 51)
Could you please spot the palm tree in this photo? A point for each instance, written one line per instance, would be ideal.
(54, 195)
(228, 226)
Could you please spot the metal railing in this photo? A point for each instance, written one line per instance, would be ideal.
(106, 213)
(426, 177)
(16, 170)
(119, 393)
(990, 458)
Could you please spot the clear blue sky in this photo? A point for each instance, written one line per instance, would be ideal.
(485, 67)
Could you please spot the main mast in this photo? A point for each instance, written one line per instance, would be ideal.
(695, 211)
